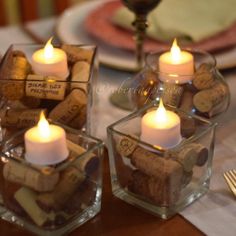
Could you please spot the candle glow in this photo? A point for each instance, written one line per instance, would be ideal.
(50, 61)
(176, 66)
(48, 49)
(45, 144)
(161, 127)
(160, 115)
(43, 128)
(175, 52)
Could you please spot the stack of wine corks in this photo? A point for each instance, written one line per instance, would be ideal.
(27, 94)
(46, 194)
(205, 94)
(158, 178)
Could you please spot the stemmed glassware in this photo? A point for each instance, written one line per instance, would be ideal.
(140, 8)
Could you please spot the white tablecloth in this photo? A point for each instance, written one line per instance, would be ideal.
(215, 213)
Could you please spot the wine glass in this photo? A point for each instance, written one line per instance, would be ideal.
(140, 8)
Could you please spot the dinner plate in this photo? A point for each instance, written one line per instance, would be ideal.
(70, 29)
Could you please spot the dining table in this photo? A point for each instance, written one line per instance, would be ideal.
(213, 214)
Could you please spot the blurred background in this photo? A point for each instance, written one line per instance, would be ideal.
(20, 11)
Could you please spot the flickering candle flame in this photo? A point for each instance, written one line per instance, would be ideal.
(43, 127)
(161, 116)
(48, 49)
(175, 52)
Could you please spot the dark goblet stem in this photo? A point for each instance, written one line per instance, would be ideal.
(141, 8)
(140, 25)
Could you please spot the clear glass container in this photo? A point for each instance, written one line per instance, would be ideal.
(52, 199)
(162, 181)
(204, 93)
(66, 100)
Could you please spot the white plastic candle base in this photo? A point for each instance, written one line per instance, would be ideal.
(55, 66)
(164, 135)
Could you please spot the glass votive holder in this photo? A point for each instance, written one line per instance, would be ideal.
(25, 92)
(160, 181)
(52, 199)
(203, 92)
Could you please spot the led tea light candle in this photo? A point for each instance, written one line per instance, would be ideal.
(50, 61)
(177, 66)
(161, 128)
(45, 144)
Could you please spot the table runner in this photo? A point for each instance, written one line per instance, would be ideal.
(215, 213)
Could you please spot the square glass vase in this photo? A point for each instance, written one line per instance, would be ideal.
(161, 181)
(51, 200)
(26, 91)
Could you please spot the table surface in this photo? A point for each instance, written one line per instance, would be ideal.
(119, 218)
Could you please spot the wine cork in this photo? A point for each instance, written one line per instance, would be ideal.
(75, 53)
(29, 117)
(204, 77)
(186, 179)
(80, 75)
(153, 165)
(125, 170)
(13, 90)
(68, 109)
(172, 94)
(206, 100)
(202, 154)
(45, 87)
(189, 155)
(20, 118)
(126, 146)
(160, 190)
(30, 102)
(27, 200)
(83, 198)
(85, 164)
(80, 120)
(18, 53)
(17, 70)
(24, 103)
(20, 68)
(25, 175)
(188, 126)
(69, 182)
(186, 101)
